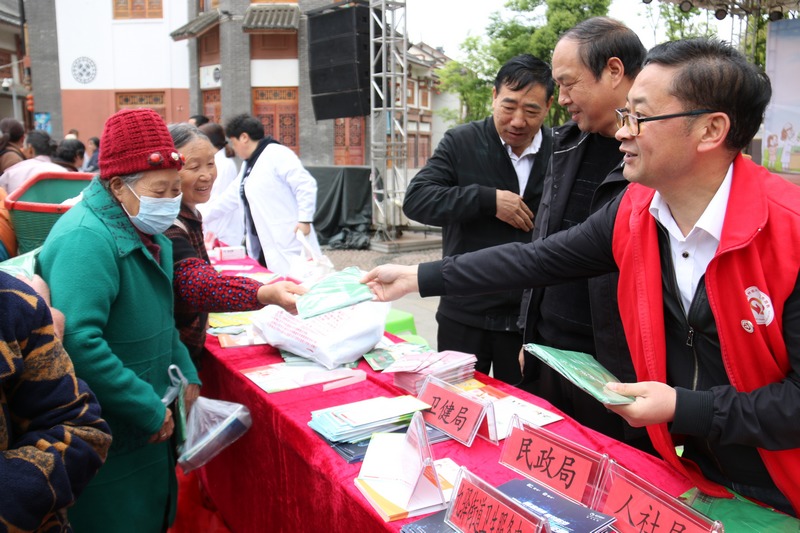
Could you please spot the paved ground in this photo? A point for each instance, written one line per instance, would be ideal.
(423, 309)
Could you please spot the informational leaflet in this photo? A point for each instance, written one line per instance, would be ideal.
(280, 377)
(335, 291)
(564, 515)
(506, 406)
(357, 421)
(581, 369)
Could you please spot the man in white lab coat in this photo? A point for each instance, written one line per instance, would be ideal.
(279, 195)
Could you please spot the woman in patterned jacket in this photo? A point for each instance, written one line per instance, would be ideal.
(199, 288)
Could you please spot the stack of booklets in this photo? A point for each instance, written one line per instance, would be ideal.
(357, 421)
(411, 370)
(563, 514)
(353, 452)
(430, 524)
(387, 352)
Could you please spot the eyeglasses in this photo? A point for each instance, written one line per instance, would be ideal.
(624, 118)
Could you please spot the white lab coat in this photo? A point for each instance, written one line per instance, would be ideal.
(281, 193)
(223, 214)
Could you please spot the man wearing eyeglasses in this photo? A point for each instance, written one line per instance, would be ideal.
(594, 66)
(707, 245)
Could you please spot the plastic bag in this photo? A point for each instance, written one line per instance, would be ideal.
(174, 399)
(308, 267)
(332, 339)
(21, 265)
(212, 426)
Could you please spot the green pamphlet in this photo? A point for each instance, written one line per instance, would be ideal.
(581, 369)
(338, 290)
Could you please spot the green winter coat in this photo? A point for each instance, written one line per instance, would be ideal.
(121, 336)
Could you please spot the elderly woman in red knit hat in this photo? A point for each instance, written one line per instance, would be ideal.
(199, 288)
(110, 271)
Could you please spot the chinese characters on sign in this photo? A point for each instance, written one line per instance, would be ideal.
(546, 461)
(452, 412)
(476, 510)
(638, 511)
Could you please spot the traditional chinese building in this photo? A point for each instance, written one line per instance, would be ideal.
(214, 57)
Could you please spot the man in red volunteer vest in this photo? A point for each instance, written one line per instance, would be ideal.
(707, 245)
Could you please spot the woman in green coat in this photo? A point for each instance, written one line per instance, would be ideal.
(110, 272)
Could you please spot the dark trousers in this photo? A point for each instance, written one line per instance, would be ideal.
(498, 349)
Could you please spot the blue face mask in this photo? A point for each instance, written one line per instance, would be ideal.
(155, 214)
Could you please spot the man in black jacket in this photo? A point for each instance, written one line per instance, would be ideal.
(482, 185)
(594, 65)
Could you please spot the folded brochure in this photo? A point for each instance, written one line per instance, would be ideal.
(581, 369)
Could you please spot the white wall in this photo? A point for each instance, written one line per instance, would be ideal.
(274, 73)
(438, 124)
(128, 54)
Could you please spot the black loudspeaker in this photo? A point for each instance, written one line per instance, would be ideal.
(339, 61)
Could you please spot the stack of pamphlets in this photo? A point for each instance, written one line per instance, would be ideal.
(564, 514)
(357, 421)
(292, 359)
(353, 452)
(411, 370)
(387, 352)
(279, 377)
(506, 406)
(433, 523)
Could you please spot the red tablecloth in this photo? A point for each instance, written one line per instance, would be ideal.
(281, 476)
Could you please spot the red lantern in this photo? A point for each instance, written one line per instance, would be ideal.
(29, 102)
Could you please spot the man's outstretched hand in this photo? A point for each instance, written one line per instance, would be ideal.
(391, 282)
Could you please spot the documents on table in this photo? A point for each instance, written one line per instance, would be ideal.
(399, 476)
(506, 406)
(357, 421)
(449, 365)
(387, 352)
(280, 377)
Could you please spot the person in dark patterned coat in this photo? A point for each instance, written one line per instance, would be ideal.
(52, 438)
(199, 288)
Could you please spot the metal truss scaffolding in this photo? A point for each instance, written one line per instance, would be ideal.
(389, 114)
(749, 13)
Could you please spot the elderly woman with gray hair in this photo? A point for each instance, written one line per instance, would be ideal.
(199, 288)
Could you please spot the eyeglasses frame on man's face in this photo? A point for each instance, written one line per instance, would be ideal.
(625, 118)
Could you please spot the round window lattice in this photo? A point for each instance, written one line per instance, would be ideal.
(84, 70)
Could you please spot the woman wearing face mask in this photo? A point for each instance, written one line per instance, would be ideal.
(199, 288)
(110, 271)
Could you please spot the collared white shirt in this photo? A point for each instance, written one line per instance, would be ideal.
(524, 163)
(692, 253)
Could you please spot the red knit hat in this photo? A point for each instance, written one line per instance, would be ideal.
(136, 140)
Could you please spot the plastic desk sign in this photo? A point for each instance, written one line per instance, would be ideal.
(565, 466)
(477, 506)
(641, 506)
(454, 412)
(398, 476)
